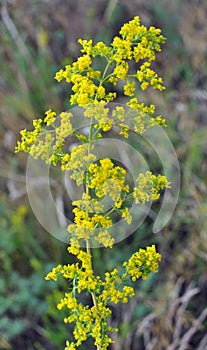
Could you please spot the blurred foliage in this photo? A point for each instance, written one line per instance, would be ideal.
(23, 266)
(37, 38)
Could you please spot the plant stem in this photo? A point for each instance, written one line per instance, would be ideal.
(88, 248)
(90, 139)
(104, 73)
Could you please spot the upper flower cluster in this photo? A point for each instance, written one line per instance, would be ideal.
(47, 140)
(136, 43)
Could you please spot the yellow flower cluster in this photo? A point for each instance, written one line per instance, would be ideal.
(110, 290)
(47, 143)
(89, 204)
(136, 116)
(148, 40)
(82, 274)
(93, 321)
(65, 129)
(75, 159)
(129, 88)
(50, 117)
(89, 322)
(135, 43)
(86, 82)
(147, 77)
(29, 138)
(142, 263)
(108, 179)
(98, 112)
(85, 225)
(126, 215)
(77, 162)
(148, 187)
(105, 179)
(83, 219)
(105, 239)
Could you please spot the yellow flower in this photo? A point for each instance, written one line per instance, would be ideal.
(147, 77)
(130, 30)
(122, 49)
(87, 46)
(126, 215)
(106, 178)
(129, 88)
(101, 49)
(121, 70)
(59, 75)
(148, 187)
(101, 92)
(70, 346)
(142, 263)
(105, 238)
(82, 63)
(118, 114)
(50, 117)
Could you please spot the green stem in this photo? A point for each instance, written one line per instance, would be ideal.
(113, 209)
(104, 73)
(88, 248)
(96, 133)
(90, 139)
(110, 75)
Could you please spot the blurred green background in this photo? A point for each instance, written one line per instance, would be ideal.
(37, 37)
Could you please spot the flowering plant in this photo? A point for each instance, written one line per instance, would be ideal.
(127, 61)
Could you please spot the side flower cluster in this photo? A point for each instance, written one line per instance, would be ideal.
(142, 263)
(148, 187)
